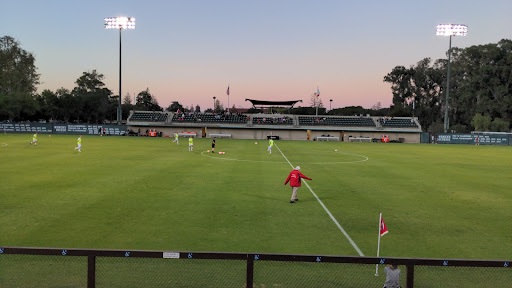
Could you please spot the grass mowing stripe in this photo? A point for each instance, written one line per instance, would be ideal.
(327, 210)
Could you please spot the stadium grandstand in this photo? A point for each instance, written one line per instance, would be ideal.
(336, 121)
(145, 116)
(281, 126)
(209, 118)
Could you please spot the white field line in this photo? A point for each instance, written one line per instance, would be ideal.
(327, 210)
(364, 158)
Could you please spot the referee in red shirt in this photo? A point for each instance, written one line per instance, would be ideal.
(294, 179)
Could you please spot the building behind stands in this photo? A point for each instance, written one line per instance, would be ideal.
(280, 126)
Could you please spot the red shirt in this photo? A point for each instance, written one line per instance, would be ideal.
(294, 178)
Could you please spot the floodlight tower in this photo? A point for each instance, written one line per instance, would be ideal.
(119, 23)
(450, 30)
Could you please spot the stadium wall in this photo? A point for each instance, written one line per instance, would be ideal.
(284, 133)
(204, 131)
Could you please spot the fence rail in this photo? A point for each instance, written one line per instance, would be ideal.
(53, 267)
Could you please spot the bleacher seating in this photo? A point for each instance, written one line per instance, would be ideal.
(336, 121)
(148, 116)
(276, 120)
(398, 123)
(272, 121)
(209, 118)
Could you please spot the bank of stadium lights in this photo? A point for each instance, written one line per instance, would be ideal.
(450, 30)
(119, 23)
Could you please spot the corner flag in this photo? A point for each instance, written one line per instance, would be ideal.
(383, 229)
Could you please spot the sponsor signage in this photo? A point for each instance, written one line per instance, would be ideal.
(25, 128)
(487, 139)
(84, 129)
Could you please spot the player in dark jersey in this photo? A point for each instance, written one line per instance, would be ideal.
(213, 145)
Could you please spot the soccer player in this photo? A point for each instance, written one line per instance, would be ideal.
(213, 145)
(34, 139)
(79, 144)
(190, 144)
(270, 144)
(295, 182)
(176, 138)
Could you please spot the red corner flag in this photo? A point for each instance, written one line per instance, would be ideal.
(383, 228)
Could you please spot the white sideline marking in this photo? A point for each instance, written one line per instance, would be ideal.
(327, 210)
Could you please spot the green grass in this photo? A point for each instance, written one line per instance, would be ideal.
(438, 201)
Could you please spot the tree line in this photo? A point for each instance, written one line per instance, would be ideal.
(480, 92)
(480, 89)
(88, 102)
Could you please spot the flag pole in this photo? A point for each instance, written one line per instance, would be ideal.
(316, 104)
(317, 94)
(378, 247)
(413, 102)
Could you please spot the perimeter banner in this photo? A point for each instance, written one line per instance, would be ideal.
(487, 139)
(42, 128)
(89, 129)
(25, 128)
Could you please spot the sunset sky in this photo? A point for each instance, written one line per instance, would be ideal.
(190, 51)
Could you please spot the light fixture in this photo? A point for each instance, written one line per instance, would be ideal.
(450, 30)
(119, 23)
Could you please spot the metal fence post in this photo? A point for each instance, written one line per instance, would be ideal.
(410, 276)
(91, 271)
(250, 271)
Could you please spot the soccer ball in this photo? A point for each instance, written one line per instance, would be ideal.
(335, 150)
(207, 151)
(255, 142)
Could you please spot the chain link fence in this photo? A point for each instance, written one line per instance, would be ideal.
(456, 276)
(42, 268)
(306, 274)
(36, 271)
(152, 272)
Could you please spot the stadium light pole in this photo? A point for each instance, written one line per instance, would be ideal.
(119, 23)
(450, 30)
(213, 110)
(330, 104)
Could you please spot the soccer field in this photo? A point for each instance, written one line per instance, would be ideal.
(438, 201)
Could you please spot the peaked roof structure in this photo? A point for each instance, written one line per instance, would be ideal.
(273, 103)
